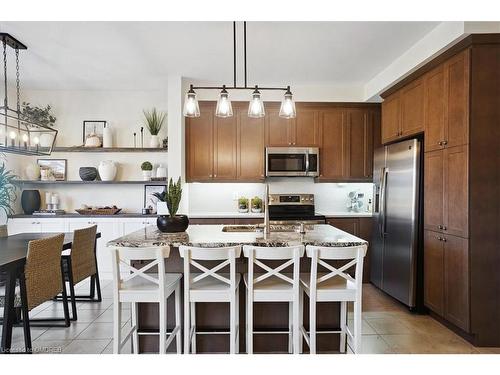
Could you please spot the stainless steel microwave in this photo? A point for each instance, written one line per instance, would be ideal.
(292, 161)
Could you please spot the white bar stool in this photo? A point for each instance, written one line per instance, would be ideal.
(274, 286)
(334, 286)
(139, 286)
(210, 286)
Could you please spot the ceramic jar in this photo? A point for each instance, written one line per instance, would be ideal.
(107, 170)
(146, 175)
(161, 171)
(107, 136)
(30, 201)
(32, 172)
(154, 142)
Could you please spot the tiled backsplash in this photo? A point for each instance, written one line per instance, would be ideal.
(222, 197)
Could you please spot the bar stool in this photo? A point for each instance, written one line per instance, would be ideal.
(210, 286)
(334, 286)
(141, 287)
(274, 286)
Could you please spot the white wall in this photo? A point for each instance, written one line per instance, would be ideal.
(222, 197)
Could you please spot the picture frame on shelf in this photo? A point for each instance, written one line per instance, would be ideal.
(56, 169)
(150, 200)
(93, 128)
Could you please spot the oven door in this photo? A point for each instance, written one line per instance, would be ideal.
(285, 161)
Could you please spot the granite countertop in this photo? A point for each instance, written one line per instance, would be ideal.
(77, 215)
(213, 236)
(341, 214)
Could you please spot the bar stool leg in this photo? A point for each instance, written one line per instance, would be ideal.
(135, 323)
(357, 328)
(295, 326)
(193, 327)
(343, 323)
(249, 324)
(163, 326)
(232, 324)
(290, 328)
(301, 321)
(187, 324)
(237, 326)
(178, 338)
(312, 324)
(117, 318)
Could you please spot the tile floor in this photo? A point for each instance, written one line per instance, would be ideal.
(387, 328)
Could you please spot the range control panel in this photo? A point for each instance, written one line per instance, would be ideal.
(291, 199)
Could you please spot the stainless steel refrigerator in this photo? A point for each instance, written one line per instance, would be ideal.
(395, 242)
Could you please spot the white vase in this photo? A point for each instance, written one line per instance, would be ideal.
(32, 172)
(46, 140)
(154, 142)
(146, 175)
(107, 136)
(161, 171)
(107, 170)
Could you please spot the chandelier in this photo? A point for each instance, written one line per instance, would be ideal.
(18, 134)
(224, 107)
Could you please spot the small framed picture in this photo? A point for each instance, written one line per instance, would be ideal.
(93, 128)
(52, 169)
(150, 200)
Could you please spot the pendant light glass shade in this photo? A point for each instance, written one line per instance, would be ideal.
(256, 106)
(287, 109)
(224, 107)
(191, 107)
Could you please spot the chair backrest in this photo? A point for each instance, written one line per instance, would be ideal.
(352, 255)
(43, 270)
(3, 231)
(122, 258)
(83, 262)
(227, 256)
(291, 255)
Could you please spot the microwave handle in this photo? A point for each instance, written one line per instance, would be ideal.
(307, 162)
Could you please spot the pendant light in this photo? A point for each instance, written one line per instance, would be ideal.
(224, 107)
(287, 109)
(191, 107)
(256, 106)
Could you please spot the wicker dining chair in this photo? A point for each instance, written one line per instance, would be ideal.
(80, 264)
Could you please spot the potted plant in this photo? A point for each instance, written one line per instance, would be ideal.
(243, 204)
(147, 169)
(256, 204)
(42, 116)
(171, 198)
(7, 193)
(154, 123)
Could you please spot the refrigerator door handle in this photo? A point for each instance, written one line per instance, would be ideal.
(383, 188)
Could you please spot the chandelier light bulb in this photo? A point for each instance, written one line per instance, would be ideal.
(36, 140)
(12, 135)
(287, 109)
(191, 107)
(224, 107)
(256, 105)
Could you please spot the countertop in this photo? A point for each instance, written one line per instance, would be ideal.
(77, 215)
(213, 236)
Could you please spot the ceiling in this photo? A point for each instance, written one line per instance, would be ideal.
(140, 55)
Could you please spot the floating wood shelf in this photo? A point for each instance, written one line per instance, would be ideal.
(107, 149)
(76, 182)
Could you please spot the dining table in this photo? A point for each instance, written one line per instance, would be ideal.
(13, 253)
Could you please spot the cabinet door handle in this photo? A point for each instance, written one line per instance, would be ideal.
(440, 143)
(215, 175)
(445, 143)
(443, 239)
(440, 227)
(444, 228)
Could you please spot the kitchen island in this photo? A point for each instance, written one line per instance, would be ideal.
(215, 316)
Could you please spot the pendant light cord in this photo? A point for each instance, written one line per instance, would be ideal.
(234, 53)
(245, 50)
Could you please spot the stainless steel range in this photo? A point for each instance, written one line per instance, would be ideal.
(293, 209)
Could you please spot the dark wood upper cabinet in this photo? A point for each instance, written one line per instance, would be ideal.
(456, 281)
(391, 117)
(433, 190)
(456, 191)
(435, 109)
(457, 85)
(250, 148)
(333, 151)
(434, 272)
(279, 131)
(360, 144)
(412, 108)
(199, 145)
(305, 130)
(225, 148)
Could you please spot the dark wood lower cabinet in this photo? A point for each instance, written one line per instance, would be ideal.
(446, 277)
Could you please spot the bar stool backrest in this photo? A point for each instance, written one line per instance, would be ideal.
(123, 256)
(83, 260)
(291, 255)
(353, 255)
(227, 256)
(43, 270)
